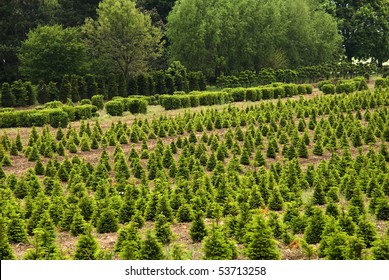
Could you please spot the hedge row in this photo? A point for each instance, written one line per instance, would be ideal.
(194, 99)
(343, 86)
(118, 105)
(382, 83)
(41, 116)
(305, 74)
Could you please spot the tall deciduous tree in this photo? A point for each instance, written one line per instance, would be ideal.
(123, 37)
(364, 26)
(221, 36)
(50, 52)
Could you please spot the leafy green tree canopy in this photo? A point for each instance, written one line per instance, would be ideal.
(122, 37)
(50, 52)
(221, 36)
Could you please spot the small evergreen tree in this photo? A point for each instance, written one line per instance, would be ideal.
(315, 227)
(366, 230)
(259, 242)
(198, 230)
(276, 201)
(319, 197)
(216, 246)
(87, 246)
(151, 248)
(163, 230)
(6, 252)
(16, 229)
(380, 249)
(184, 213)
(107, 221)
(78, 224)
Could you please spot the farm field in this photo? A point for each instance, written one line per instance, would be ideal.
(304, 177)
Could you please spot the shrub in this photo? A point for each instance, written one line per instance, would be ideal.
(114, 108)
(185, 101)
(301, 89)
(290, 90)
(170, 102)
(322, 83)
(194, 100)
(279, 92)
(381, 83)
(363, 85)
(251, 94)
(238, 94)
(53, 104)
(328, 89)
(85, 102)
(83, 112)
(58, 118)
(98, 101)
(309, 88)
(346, 86)
(137, 105)
(267, 93)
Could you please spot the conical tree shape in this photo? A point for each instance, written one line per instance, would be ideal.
(86, 247)
(276, 201)
(315, 227)
(259, 242)
(367, 231)
(6, 252)
(151, 248)
(45, 247)
(198, 230)
(337, 246)
(78, 224)
(130, 232)
(16, 229)
(380, 249)
(216, 246)
(163, 230)
(107, 221)
(319, 197)
(163, 207)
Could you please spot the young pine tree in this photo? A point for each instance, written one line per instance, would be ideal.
(315, 227)
(198, 230)
(216, 245)
(151, 248)
(259, 242)
(163, 230)
(87, 246)
(16, 229)
(6, 252)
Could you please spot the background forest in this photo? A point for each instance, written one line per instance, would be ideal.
(44, 40)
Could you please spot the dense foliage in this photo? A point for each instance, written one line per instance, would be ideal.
(238, 180)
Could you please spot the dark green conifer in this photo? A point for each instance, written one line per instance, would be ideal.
(198, 230)
(151, 248)
(276, 201)
(380, 249)
(16, 229)
(314, 229)
(163, 230)
(107, 222)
